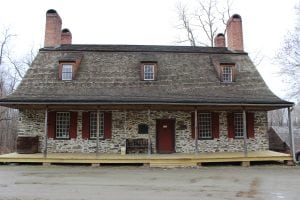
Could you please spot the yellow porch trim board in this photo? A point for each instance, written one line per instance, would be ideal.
(180, 159)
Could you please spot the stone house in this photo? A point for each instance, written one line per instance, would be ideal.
(165, 99)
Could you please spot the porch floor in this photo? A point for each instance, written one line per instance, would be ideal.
(153, 160)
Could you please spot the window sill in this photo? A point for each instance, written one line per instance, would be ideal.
(238, 138)
(61, 138)
(94, 139)
(205, 138)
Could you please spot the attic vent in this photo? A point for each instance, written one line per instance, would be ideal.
(220, 35)
(51, 11)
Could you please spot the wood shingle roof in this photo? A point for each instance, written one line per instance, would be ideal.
(111, 74)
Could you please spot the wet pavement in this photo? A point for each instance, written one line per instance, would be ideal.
(27, 182)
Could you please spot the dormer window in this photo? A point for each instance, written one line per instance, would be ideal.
(227, 74)
(149, 71)
(67, 72)
(68, 66)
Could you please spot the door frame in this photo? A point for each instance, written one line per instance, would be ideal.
(173, 122)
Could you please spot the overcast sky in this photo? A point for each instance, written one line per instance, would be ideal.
(265, 22)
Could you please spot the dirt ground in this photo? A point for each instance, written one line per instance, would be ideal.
(27, 182)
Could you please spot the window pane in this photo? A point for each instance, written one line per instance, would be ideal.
(62, 124)
(238, 125)
(205, 129)
(148, 72)
(93, 125)
(67, 72)
(227, 74)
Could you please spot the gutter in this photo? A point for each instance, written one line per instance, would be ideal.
(283, 105)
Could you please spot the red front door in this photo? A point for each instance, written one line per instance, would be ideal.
(165, 136)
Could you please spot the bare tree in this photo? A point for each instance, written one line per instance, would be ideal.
(203, 23)
(12, 70)
(277, 117)
(288, 58)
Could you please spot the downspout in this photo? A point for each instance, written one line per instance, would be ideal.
(292, 147)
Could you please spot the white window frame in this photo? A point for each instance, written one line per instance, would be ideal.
(205, 126)
(66, 72)
(150, 73)
(62, 125)
(238, 126)
(228, 73)
(93, 125)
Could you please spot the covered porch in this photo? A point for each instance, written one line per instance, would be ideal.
(153, 160)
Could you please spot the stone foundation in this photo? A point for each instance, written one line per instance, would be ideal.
(125, 125)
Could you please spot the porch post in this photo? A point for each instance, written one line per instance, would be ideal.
(97, 137)
(292, 146)
(245, 133)
(125, 126)
(196, 131)
(46, 133)
(149, 136)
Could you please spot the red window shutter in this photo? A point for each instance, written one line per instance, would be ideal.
(155, 72)
(60, 71)
(215, 125)
(193, 124)
(221, 74)
(73, 124)
(107, 125)
(85, 125)
(250, 125)
(51, 124)
(230, 125)
(142, 72)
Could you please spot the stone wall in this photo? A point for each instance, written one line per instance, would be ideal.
(125, 125)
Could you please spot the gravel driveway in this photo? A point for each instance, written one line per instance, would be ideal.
(110, 182)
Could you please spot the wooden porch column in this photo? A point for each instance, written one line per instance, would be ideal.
(125, 126)
(46, 133)
(245, 133)
(291, 134)
(196, 132)
(149, 136)
(97, 130)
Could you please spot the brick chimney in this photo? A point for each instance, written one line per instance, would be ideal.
(235, 33)
(53, 29)
(220, 40)
(66, 36)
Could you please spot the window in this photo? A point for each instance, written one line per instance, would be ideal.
(62, 125)
(66, 72)
(93, 125)
(227, 74)
(148, 72)
(238, 125)
(205, 125)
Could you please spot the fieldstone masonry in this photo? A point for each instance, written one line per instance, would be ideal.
(125, 125)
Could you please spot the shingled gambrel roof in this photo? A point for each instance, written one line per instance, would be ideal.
(111, 74)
